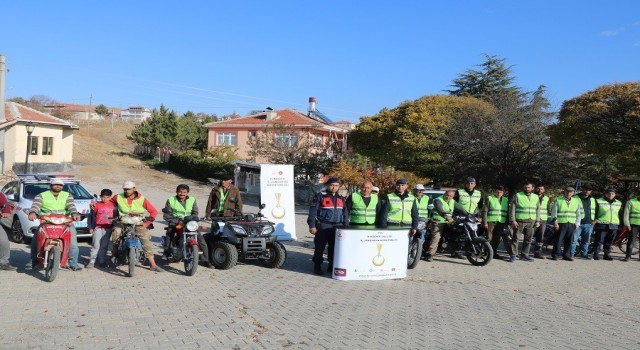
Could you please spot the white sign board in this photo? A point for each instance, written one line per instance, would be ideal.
(370, 254)
(276, 192)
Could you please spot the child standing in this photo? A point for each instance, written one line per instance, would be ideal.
(100, 225)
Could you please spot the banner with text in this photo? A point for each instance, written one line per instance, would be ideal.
(276, 192)
(370, 254)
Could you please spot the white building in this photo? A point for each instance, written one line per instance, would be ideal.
(136, 114)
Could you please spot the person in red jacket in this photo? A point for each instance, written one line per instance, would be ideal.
(7, 207)
(100, 225)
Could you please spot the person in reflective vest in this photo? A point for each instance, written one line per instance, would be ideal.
(224, 199)
(57, 201)
(524, 213)
(583, 233)
(178, 207)
(469, 197)
(422, 202)
(363, 207)
(631, 218)
(544, 216)
(444, 207)
(494, 219)
(327, 211)
(606, 223)
(130, 201)
(400, 208)
(566, 219)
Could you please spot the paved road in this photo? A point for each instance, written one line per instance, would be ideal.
(445, 304)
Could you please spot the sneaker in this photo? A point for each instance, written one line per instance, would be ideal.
(586, 257)
(429, 258)
(626, 259)
(90, 265)
(317, 269)
(567, 258)
(607, 257)
(513, 258)
(527, 258)
(6, 267)
(538, 255)
(156, 269)
(596, 257)
(553, 257)
(75, 268)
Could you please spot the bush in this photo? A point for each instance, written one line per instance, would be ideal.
(194, 165)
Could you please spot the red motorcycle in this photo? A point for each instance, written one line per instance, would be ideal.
(622, 239)
(54, 240)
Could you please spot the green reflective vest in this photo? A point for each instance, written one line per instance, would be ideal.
(527, 207)
(53, 204)
(361, 213)
(223, 197)
(446, 207)
(423, 207)
(136, 207)
(593, 208)
(567, 212)
(634, 212)
(467, 201)
(608, 213)
(178, 210)
(544, 208)
(497, 209)
(399, 209)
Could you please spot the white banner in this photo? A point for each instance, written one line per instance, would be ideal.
(370, 254)
(276, 192)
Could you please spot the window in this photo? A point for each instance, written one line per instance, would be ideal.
(286, 140)
(227, 138)
(33, 145)
(47, 146)
(252, 133)
(317, 141)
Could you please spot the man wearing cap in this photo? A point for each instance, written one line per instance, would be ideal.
(224, 199)
(444, 207)
(544, 216)
(375, 190)
(132, 202)
(566, 219)
(327, 211)
(587, 215)
(606, 223)
(400, 208)
(363, 207)
(494, 219)
(524, 213)
(60, 202)
(468, 197)
(631, 218)
(422, 202)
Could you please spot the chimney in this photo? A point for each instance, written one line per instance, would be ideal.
(312, 105)
(3, 75)
(271, 114)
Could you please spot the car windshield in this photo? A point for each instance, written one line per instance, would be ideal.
(77, 191)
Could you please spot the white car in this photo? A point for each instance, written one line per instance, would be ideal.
(23, 190)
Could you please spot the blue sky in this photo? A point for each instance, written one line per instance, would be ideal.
(355, 57)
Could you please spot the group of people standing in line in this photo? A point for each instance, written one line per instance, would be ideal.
(523, 218)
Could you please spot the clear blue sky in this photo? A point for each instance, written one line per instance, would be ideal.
(355, 57)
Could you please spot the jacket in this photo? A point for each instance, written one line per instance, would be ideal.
(232, 201)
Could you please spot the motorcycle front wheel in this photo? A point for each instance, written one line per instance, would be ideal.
(191, 260)
(53, 264)
(482, 255)
(133, 257)
(622, 245)
(415, 252)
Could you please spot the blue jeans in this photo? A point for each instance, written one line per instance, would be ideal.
(74, 251)
(584, 234)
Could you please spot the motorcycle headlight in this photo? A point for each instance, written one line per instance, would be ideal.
(422, 225)
(239, 230)
(192, 226)
(473, 226)
(56, 220)
(267, 230)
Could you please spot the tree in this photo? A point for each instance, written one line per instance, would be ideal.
(492, 80)
(158, 131)
(413, 133)
(102, 110)
(190, 134)
(604, 124)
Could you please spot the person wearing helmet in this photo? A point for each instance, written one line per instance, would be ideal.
(55, 200)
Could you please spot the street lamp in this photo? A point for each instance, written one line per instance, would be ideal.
(30, 126)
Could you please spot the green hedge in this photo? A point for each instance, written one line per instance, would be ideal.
(193, 165)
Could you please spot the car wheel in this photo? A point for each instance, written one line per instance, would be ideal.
(16, 235)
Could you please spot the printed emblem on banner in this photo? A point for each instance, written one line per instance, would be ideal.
(340, 272)
(341, 236)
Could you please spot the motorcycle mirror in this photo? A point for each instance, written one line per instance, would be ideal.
(262, 206)
(165, 210)
(430, 207)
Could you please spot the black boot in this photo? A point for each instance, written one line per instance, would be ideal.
(317, 269)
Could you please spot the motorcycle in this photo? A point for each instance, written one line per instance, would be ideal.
(463, 234)
(621, 241)
(247, 237)
(416, 243)
(130, 248)
(184, 245)
(54, 240)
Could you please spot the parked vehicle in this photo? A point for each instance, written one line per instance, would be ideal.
(416, 242)
(245, 237)
(130, 248)
(463, 235)
(184, 244)
(621, 240)
(54, 240)
(23, 190)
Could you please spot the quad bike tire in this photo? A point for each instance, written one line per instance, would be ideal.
(223, 255)
(277, 255)
(53, 265)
